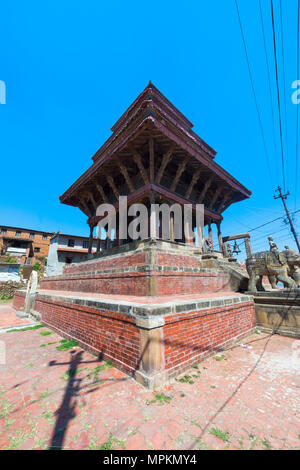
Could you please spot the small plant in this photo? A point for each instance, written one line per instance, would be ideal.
(111, 443)
(224, 435)
(69, 374)
(46, 333)
(266, 444)
(186, 379)
(100, 367)
(162, 399)
(47, 344)
(66, 344)
(220, 358)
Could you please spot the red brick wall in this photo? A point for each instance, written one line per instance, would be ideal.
(191, 283)
(168, 259)
(137, 283)
(189, 337)
(123, 284)
(137, 259)
(19, 300)
(109, 333)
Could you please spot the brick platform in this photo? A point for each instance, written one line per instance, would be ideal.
(154, 308)
(147, 267)
(151, 341)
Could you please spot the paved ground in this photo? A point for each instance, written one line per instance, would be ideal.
(243, 398)
(9, 318)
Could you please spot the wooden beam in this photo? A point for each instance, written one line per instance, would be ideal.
(101, 192)
(113, 186)
(86, 207)
(179, 172)
(138, 160)
(90, 194)
(204, 190)
(215, 197)
(165, 161)
(192, 183)
(224, 200)
(151, 163)
(127, 178)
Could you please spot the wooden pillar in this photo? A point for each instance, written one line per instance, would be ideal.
(210, 235)
(218, 224)
(98, 244)
(153, 222)
(188, 235)
(91, 239)
(172, 227)
(248, 247)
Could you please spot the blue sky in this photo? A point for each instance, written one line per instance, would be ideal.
(72, 68)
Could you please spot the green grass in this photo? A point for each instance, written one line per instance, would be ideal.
(28, 328)
(220, 358)
(69, 374)
(66, 344)
(100, 367)
(266, 444)
(47, 344)
(162, 399)
(186, 379)
(46, 333)
(224, 435)
(111, 443)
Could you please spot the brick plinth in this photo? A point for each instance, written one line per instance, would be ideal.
(151, 341)
(149, 267)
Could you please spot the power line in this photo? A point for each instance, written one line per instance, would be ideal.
(297, 106)
(270, 222)
(284, 85)
(278, 94)
(269, 77)
(253, 90)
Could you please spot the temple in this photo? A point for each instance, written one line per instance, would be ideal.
(154, 156)
(154, 307)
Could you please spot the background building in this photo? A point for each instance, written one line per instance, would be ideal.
(66, 249)
(25, 245)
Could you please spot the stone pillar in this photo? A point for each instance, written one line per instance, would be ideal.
(151, 342)
(91, 239)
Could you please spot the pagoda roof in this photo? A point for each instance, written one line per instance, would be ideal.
(154, 112)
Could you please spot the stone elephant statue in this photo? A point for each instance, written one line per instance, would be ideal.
(293, 269)
(275, 265)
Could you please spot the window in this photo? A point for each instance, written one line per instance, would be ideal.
(37, 249)
(31, 235)
(68, 260)
(44, 237)
(85, 244)
(3, 231)
(18, 234)
(71, 242)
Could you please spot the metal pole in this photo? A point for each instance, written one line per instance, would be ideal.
(283, 197)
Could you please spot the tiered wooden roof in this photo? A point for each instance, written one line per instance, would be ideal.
(154, 150)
